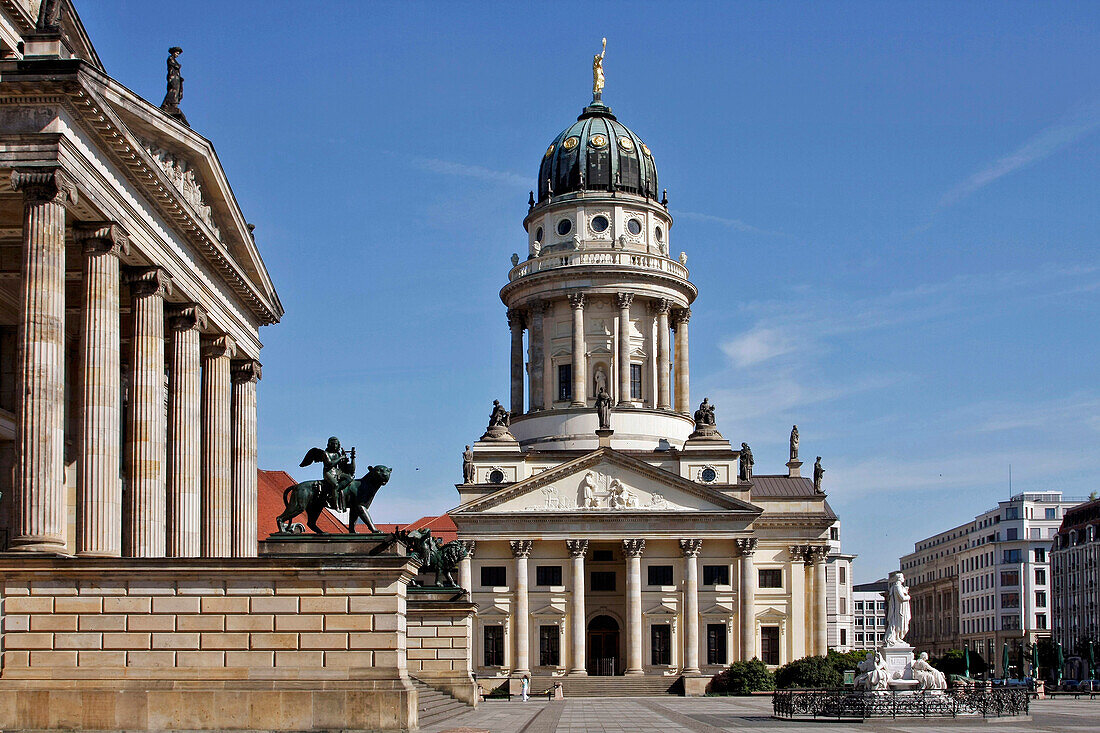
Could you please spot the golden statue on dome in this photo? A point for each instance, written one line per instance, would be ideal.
(597, 73)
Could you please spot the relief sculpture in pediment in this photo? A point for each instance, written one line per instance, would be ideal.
(182, 175)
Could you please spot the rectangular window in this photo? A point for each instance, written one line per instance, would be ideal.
(635, 381)
(494, 576)
(1010, 600)
(603, 580)
(1010, 623)
(771, 578)
(1040, 599)
(1012, 512)
(716, 644)
(843, 606)
(843, 575)
(1012, 556)
(769, 644)
(859, 637)
(660, 575)
(1040, 620)
(859, 621)
(549, 646)
(494, 646)
(1011, 534)
(1040, 554)
(716, 575)
(1010, 577)
(834, 533)
(1036, 533)
(844, 637)
(1052, 513)
(1040, 576)
(548, 575)
(662, 644)
(859, 605)
(565, 382)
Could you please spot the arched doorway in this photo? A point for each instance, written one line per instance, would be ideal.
(603, 646)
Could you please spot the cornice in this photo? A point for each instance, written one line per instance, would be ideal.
(72, 90)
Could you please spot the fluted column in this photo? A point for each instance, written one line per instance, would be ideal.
(577, 620)
(39, 498)
(185, 324)
(99, 483)
(465, 567)
(633, 550)
(515, 324)
(664, 392)
(821, 618)
(216, 510)
(522, 638)
(624, 300)
(580, 398)
(535, 352)
(244, 492)
(691, 548)
(747, 546)
(683, 398)
(143, 509)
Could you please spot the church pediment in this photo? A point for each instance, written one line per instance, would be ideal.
(603, 483)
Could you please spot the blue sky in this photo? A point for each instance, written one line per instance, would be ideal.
(890, 211)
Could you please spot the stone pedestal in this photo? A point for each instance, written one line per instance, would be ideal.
(794, 469)
(899, 660)
(439, 636)
(605, 437)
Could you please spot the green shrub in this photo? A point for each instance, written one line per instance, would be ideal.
(742, 678)
(809, 672)
(953, 662)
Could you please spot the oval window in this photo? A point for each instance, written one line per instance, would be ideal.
(571, 142)
(634, 227)
(496, 476)
(564, 227)
(600, 224)
(660, 235)
(708, 475)
(538, 234)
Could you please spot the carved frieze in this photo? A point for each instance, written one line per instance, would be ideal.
(182, 175)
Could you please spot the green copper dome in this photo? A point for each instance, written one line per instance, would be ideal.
(597, 153)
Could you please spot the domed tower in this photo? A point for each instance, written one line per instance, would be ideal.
(599, 296)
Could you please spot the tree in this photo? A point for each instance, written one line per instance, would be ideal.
(954, 662)
(809, 672)
(742, 678)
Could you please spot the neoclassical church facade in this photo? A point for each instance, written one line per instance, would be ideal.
(646, 548)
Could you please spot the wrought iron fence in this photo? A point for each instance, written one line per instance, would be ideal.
(839, 704)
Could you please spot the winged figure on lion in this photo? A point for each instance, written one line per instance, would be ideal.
(337, 490)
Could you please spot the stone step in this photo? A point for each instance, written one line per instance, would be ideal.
(607, 686)
(435, 706)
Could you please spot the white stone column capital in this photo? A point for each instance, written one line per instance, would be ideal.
(105, 237)
(691, 548)
(219, 347)
(633, 548)
(576, 300)
(149, 281)
(659, 306)
(186, 317)
(623, 300)
(746, 545)
(246, 370)
(577, 548)
(516, 318)
(470, 547)
(521, 548)
(680, 316)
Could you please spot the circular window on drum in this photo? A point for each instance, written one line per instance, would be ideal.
(634, 226)
(600, 224)
(538, 235)
(708, 474)
(496, 476)
(564, 227)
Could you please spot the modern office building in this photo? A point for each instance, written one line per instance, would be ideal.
(838, 587)
(1075, 577)
(869, 615)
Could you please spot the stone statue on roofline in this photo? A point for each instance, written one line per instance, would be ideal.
(819, 472)
(746, 462)
(499, 423)
(174, 95)
(794, 444)
(705, 422)
(468, 466)
(603, 409)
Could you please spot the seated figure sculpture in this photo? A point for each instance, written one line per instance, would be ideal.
(874, 673)
(928, 676)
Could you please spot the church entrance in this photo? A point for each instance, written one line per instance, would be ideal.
(603, 647)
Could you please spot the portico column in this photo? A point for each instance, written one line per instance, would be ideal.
(580, 399)
(244, 490)
(664, 393)
(465, 567)
(821, 619)
(521, 666)
(216, 511)
(683, 398)
(624, 301)
(747, 546)
(515, 323)
(577, 621)
(633, 550)
(144, 509)
(691, 549)
(39, 510)
(185, 323)
(99, 483)
(535, 365)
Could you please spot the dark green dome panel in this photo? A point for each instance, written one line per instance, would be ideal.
(597, 153)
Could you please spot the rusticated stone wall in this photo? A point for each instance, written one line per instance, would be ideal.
(438, 639)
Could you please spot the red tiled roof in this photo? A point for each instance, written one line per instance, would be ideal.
(272, 484)
(442, 527)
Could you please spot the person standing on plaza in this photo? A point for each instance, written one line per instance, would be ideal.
(525, 688)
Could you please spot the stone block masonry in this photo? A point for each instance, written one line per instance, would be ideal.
(438, 642)
(272, 643)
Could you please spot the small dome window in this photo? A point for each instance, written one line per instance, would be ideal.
(549, 151)
(564, 227)
(597, 140)
(645, 149)
(600, 223)
(538, 235)
(626, 143)
(496, 476)
(571, 142)
(634, 227)
(659, 234)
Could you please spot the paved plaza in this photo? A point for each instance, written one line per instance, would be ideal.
(714, 714)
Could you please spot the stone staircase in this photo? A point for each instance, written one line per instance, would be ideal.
(609, 686)
(434, 706)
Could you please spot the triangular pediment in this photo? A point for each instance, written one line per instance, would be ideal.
(605, 482)
(661, 609)
(717, 609)
(550, 610)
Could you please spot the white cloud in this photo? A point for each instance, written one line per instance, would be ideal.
(735, 224)
(451, 168)
(1039, 147)
(758, 345)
